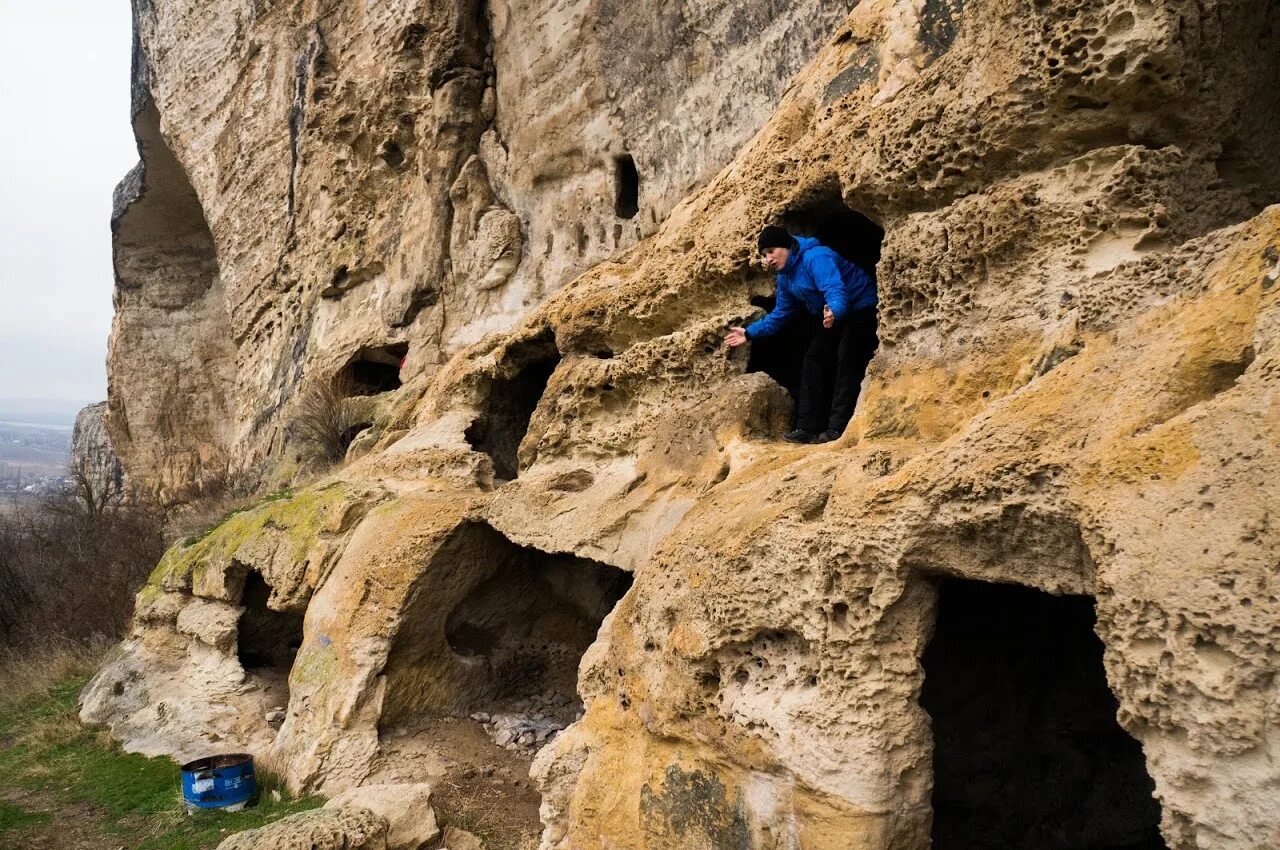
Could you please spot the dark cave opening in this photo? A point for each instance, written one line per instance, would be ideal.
(1028, 754)
(530, 622)
(846, 231)
(509, 403)
(497, 630)
(850, 234)
(626, 186)
(780, 356)
(267, 639)
(372, 370)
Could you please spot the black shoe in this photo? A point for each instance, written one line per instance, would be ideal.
(799, 435)
(826, 436)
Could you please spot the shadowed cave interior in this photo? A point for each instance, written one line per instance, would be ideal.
(530, 622)
(1028, 754)
(626, 187)
(508, 403)
(372, 370)
(520, 623)
(267, 639)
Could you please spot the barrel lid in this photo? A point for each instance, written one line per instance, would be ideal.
(217, 762)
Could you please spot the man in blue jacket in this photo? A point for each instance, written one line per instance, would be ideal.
(838, 300)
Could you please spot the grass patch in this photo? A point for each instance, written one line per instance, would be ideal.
(16, 817)
(31, 673)
(47, 754)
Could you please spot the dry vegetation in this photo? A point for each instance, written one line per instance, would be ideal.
(69, 566)
(35, 670)
(326, 420)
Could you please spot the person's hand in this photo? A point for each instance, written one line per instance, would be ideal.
(828, 318)
(736, 337)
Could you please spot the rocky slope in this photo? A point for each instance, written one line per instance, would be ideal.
(1034, 583)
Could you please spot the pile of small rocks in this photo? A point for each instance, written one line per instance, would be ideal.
(529, 723)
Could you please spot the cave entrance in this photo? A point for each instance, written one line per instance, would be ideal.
(496, 631)
(1027, 751)
(372, 370)
(483, 668)
(850, 234)
(844, 230)
(509, 403)
(626, 186)
(268, 640)
(528, 625)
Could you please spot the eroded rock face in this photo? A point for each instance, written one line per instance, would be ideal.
(1074, 395)
(92, 455)
(314, 182)
(349, 828)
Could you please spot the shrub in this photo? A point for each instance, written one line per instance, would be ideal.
(326, 420)
(70, 566)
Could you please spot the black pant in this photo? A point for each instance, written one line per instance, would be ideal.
(835, 362)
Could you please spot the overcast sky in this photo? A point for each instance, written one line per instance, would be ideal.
(65, 143)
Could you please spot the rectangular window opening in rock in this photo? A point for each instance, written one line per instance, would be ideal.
(626, 186)
(1028, 753)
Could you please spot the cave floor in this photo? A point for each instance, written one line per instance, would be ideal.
(477, 785)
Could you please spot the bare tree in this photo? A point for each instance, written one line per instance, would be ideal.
(96, 494)
(70, 565)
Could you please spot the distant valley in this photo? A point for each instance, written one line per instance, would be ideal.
(35, 444)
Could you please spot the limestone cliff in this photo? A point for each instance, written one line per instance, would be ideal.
(93, 459)
(1035, 582)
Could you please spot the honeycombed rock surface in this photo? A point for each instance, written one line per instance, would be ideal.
(1075, 393)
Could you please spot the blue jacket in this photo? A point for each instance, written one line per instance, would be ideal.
(813, 276)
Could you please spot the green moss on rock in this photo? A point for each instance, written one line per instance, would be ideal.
(301, 517)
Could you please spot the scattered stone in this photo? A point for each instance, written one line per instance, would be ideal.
(319, 829)
(460, 839)
(529, 731)
(406, 808)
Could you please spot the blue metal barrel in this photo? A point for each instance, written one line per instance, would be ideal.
(219, 782)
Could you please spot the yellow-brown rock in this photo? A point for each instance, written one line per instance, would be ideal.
(1064, 446)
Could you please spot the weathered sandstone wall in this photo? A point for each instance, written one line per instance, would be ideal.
(92, 455)
(319, 178)
(1075, 395)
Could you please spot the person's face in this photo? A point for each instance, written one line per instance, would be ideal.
(776, 258)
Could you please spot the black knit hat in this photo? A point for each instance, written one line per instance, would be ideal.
(773, 237)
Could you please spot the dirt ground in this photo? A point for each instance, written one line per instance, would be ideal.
(66, 827)
(478, 785)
